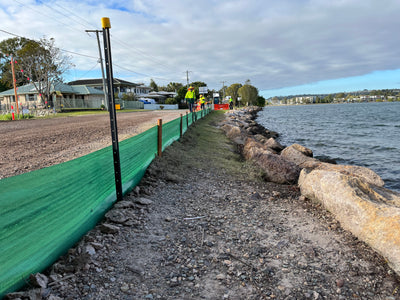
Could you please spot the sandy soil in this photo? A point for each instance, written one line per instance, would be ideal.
(202, 224)
(28, 145)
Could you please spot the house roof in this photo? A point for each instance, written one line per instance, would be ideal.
(57, 87)
(99, 81)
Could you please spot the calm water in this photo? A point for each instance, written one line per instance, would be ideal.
(364, 134)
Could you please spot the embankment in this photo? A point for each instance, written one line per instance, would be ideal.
(354, 195)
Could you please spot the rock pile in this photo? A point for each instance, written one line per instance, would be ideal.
(355, 195)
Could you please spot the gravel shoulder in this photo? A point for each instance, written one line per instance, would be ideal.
(29, 145)
(203, 224)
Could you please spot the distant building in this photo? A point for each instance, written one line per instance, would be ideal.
(120, 86)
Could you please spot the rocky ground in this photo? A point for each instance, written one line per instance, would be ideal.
(202, 224)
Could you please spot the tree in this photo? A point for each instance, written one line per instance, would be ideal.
(328, 99)
(232, 91)
(340, 95)
(43, 64)
(249, 94)
(7, 48)
(181, 94)
(171, 87)
(129, 97)
(260, 101)
(153, 85)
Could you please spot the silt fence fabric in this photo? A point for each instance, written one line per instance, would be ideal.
(43, 213)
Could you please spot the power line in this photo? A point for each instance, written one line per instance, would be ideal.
(92, 57)
(13, 34)
(82, 76)
(146, 56)
(41, 13)
(70, 12)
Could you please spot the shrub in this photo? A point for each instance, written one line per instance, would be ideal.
(171, 101)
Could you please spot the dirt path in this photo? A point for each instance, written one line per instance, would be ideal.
(203, 225)
(29, 145)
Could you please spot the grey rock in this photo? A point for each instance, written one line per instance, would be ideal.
(143, 201)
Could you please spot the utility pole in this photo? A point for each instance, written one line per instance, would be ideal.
(102, 68)
(187, 78)
(223, 89)
(106, 25)
(14, 84)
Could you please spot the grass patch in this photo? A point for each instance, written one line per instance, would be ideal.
(8, 117)
(204, 146)
(91, 112)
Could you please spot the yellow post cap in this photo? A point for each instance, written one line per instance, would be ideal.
(105, 23)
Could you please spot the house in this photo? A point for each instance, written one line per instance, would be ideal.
(160, 97)
(61, 96)
(120, 86)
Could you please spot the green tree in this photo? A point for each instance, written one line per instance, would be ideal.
(129, 97)
(12, 47)
(171, 101)
(260, 101)
(43, 63)
(248, 94)
(153, 85)
(180, 97)
(340, 95)
(328, 99)
(232, 91)
(173, 86)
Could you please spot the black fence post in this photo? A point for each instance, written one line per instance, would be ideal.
(105, 22)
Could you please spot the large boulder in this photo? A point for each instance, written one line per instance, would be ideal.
(232, 131)
(275, 168)
(302, 157)
(253, 148)
(371, 213)
(274, 145)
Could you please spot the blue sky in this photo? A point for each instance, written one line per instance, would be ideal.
(377, 80)
(283, 47)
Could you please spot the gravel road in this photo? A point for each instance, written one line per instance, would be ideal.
(29, 145)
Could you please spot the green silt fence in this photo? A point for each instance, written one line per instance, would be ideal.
(45, 212)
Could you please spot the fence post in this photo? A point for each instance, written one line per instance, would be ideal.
(159, 148)
(187, 120)
(181, 127)
(105, 22)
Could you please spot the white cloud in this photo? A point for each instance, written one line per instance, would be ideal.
(272, 43)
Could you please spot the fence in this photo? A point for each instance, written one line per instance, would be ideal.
(158, 106)
(45, 212)
(130, 104)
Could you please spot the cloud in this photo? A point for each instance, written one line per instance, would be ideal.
(275, 44)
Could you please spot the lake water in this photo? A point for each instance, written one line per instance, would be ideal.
(362, 134)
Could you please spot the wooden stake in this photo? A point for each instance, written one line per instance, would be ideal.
(159, 124)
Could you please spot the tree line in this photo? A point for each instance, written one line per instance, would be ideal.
(245, 94)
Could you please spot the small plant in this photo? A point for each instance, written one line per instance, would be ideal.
(102, 107)
(171, 101)
(161, 106)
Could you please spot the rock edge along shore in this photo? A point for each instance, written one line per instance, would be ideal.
(354, 195)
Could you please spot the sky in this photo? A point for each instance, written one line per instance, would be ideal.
(283, 47)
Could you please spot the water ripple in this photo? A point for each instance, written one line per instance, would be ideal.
(362, 134)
